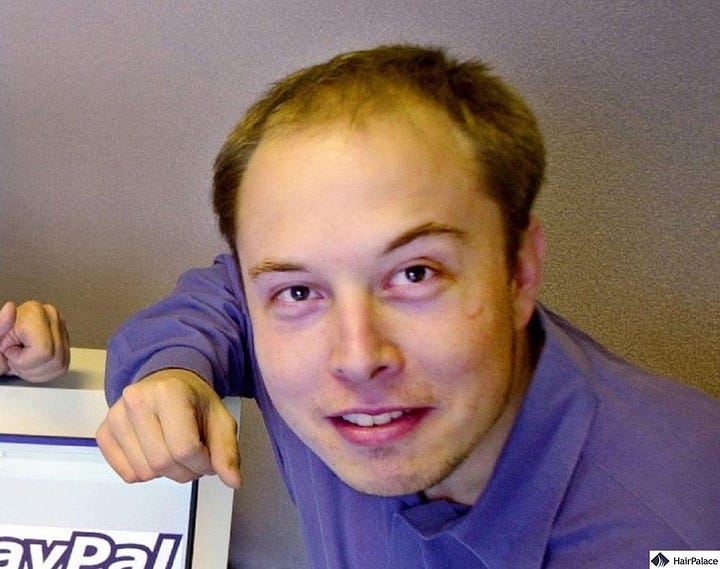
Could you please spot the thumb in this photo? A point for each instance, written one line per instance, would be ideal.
(8, 314)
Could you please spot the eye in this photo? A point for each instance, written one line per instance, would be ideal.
(414, 274)
(417, 273)
(295, 293)
(290, 302)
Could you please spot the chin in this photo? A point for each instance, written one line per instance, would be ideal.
(382, 481)
(384, 487)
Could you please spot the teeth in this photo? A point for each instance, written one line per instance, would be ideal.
(364, 420)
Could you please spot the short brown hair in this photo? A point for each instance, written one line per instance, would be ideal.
(498, 122)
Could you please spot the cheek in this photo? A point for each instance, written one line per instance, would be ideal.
(470, 346)
(489, 315)
(289, 362)
(288, 381)
(293, 379)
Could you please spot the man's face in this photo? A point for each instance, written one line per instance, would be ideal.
(384, 317)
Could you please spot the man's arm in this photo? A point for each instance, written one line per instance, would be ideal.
(167, 368)
(202, 327)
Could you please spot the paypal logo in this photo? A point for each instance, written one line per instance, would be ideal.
(88, 550)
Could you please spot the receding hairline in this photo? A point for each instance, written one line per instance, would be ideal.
(354, 85)
(352, 103)
(418, 112)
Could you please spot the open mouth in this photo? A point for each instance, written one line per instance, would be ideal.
(365, 420)
(377, 429)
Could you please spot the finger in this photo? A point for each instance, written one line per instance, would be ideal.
(60, 340)
(33, 367)
(217, 432)
(185, 445)
(116, 454)
(221, 436)
(65, 340)
(32, 324)
(43, 373)
(168, 437)
(182, 456)
(137, 454)
(7, 318)
(34, 373)
(127, 438)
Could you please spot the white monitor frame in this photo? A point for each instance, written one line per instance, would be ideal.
(74, 406)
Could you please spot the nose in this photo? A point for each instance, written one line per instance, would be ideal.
(361, 348)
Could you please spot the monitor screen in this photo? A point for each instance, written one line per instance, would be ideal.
(63, 507)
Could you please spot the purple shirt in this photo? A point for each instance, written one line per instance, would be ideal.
(605, 462)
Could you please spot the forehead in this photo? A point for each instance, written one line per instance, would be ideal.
(405, 135)
(352, 178)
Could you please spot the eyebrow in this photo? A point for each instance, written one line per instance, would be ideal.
(424, 230)
(267, 266)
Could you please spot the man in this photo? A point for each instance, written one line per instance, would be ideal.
(425, 410)
(33, 341)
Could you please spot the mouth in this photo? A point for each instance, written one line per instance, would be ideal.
(366, 420)
(370, 429)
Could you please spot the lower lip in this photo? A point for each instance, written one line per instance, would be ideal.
(380, 434)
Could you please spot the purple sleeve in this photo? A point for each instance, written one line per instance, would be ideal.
(202, 326)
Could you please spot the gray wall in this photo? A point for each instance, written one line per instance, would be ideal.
(111, 114)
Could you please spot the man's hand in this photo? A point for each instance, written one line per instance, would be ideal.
(33, 341)
(172, 424)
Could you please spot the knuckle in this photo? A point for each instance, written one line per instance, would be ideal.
(144, 476)
(184, 477)
(133, 396)
(159, 464)
(52, 311)
(168, 386)
(130, 477)
(31, 306)
(112, 419)
(187, 451)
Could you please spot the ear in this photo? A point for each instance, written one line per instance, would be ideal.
(527, 277)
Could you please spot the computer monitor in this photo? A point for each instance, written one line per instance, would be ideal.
(63, 507)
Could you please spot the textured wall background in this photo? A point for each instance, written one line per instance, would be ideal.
(111, 114)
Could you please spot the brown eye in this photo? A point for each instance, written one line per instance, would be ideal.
(295, 293)
(299, 293)
(416, 274)
(414, 282)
